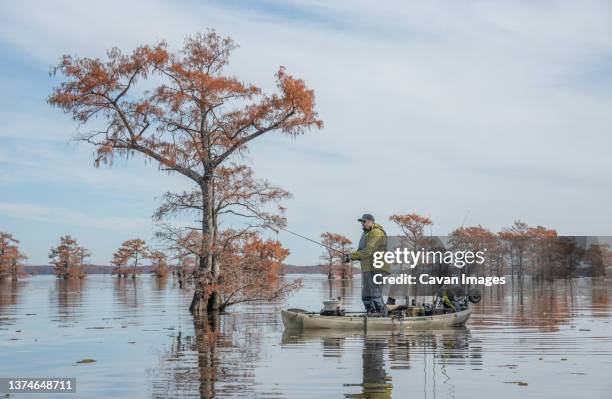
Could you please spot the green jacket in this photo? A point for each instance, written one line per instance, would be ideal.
(375, 240)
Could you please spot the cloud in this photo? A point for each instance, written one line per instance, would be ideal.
(430, 107)
(63, 216)
(58, 163)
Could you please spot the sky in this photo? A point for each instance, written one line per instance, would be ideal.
(480, 111)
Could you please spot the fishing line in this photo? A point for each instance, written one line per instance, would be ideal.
(309, 239)
(305, 238)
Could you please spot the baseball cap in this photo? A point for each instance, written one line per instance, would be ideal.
(366, 216)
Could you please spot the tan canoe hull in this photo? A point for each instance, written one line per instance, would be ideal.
(305, 321)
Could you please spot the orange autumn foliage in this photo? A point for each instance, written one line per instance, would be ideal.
(192, 121)
(336, 245)
(598, 256)
(479, 239)
(251, 269)
(251, 265)
(68, 258)
(159, 262)
(10, 257)
(413, 228)
(131, 250)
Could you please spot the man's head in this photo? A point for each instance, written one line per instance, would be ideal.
(367, 221)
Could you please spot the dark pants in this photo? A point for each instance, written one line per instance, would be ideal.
(371, 293)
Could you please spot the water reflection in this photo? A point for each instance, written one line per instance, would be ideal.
(434, 350)
(147, 344)
(343, 288)
(600, 297)
(224, 358)
(207, 338)
(9, 296)
(68, 299)
(200, 376)
(160, 283)
(9, 291)
(375, 380)
(127, 292)
(218, 360)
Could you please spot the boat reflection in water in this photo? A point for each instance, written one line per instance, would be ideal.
(434, 348)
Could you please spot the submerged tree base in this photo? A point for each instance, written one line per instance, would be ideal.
(202, 304)
(198, 303)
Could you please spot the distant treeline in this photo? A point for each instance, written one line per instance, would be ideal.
(316, 269)
(106, 269)
(89, 269)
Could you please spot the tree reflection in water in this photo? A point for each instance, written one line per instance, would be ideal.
(126, 292)
(600, 297)
(69, 298)
(217, 360)
(161, 282)
(339, 287)
(206, 339)
(9, 296)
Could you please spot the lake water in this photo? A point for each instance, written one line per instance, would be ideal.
(555, 341)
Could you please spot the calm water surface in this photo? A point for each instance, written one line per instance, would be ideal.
(555, 341)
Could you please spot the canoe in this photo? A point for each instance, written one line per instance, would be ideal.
(297, 319)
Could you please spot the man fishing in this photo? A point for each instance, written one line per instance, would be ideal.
(373, 239)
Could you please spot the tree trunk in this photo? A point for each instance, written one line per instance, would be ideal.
(214, 302)
(199, 303)
(206, 300)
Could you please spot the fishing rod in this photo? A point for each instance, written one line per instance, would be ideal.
(308, 239)
(465, 218)
(311, 240)
(298, 235)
